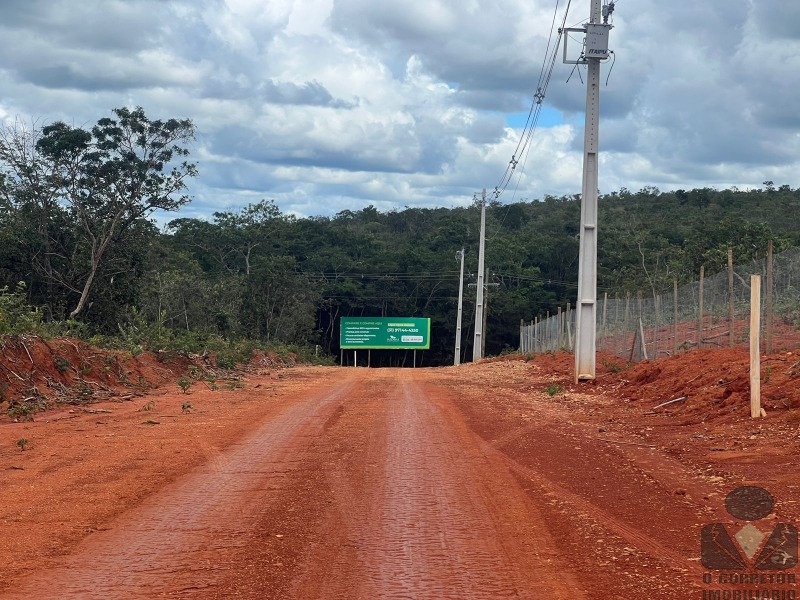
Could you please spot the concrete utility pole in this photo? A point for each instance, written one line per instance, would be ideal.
(486, 285)
(595, 50)
(477, 344)
(485, 311)
(457, 354)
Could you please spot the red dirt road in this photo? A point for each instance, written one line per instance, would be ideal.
(386, 483)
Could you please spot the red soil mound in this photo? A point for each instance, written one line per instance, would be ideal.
(37, 373)
(715, 383)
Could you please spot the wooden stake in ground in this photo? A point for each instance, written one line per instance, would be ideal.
(641, 338)
(638, 335)
(731, 333)
(657, 325)
(755, 346)
(570, 346)
(768, 298)
(675, 315)
(700, 312)
(627, 310)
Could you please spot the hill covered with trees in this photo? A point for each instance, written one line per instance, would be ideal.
(77, 240)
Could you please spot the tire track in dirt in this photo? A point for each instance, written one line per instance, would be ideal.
(182, 540)
(426, 513)
(551, 488)
(625, 530)
(386, 483)
(630, 516)
(436, 537)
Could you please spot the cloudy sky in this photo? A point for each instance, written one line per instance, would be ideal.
(328, 105)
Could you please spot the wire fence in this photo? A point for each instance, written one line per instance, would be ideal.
(712, 312)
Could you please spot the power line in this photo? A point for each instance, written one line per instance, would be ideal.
(545, 76)
(394, 298)
(522, 150)
(384, 276)
(544, 280)
(435, 276)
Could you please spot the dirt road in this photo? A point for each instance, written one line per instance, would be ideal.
(406, 483)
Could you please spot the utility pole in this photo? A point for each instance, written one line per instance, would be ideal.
(477, 344)
(595, 50)
(486, 286)
(457, 353)
(485, 311)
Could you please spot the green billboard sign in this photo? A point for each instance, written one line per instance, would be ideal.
(395, 333)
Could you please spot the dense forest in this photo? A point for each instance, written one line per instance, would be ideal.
(78, 242)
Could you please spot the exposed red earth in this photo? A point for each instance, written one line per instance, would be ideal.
(500, 479)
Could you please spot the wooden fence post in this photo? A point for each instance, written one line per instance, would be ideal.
(700, 312)
(675, 315)
(640, 313)
(755, 346)
(657, 308)
(768, 299)
(626, 325)
(627, 309)
(547, 328)
(529, 335)
(561, 328)
(570, 328)
(731, 333)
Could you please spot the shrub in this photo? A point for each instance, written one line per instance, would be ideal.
(613, 367)
(23, 410)
(16, 315)
(553, 389)
(185, 383)
(225, 360)
(139, 334)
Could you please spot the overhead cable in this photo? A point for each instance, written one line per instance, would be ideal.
(545, 76)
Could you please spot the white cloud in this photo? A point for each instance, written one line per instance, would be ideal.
(308, 17)
(325, 105)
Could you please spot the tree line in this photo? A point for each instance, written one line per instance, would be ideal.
(78, 242)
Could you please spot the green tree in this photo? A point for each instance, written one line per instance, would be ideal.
(103, 181)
